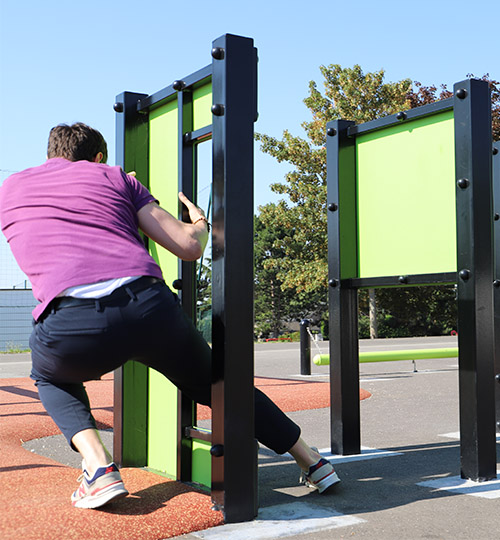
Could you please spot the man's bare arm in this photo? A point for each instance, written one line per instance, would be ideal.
(185, 240)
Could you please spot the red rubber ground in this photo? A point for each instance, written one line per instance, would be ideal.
(35, 491)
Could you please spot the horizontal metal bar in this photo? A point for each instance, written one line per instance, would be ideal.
(445, 278)
(197, 433)
(199, 135)
(164, 95)
(402, 117)
(395, 355)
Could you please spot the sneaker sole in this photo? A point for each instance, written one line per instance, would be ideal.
(328, 483)
(106, 496)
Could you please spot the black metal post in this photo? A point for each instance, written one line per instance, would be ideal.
(305, 348)
(496, 282)
(342, 245)
(131, 380)
(472, 114)
(187, 270)
(234, 459)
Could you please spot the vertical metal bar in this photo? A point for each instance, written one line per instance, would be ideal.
(305, 348)
(496, 282)
(343, 310)
(187, 273)
(234, 485)
(118, 416)
(131, 380)
(472, 114)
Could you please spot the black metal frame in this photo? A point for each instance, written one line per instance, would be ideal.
(132, 154)
(496, 282)
(234, 459)
(234, 88)
(472, 117)
(187, 270)
(476, 342)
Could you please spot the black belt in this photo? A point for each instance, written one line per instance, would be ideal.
(121, 292)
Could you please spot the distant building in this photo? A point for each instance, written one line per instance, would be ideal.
(16, 306)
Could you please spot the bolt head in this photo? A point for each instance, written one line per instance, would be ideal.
(495, 150)
(118, 107)
(401, 116)
(333, 282)
(496, 283)
(496, 217)
(333, 207)
(463, 183)
(464, 274)
(177, 284)
(497, 377)
(217, 450)
(178, 85)
(461, 93)
(218, 53)
(218, 109)
(331, 132)
(403, 279)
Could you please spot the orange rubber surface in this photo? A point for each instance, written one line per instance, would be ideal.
(35, 491)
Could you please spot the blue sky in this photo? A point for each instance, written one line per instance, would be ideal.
(66, 61)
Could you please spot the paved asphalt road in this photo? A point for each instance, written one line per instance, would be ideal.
(270, 358)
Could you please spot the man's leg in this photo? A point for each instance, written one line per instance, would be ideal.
(89, 444)
(68, 405)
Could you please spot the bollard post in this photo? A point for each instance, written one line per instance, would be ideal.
(305, 348)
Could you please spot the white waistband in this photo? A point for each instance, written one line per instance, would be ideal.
(99, 289)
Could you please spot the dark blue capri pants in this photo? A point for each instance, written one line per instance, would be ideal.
(80, 340)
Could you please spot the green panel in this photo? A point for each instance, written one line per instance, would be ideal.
(201, 463)
(134, 437)
(202, 104)
(162, 422)
(406, 198)
(163, 175)
(347, 218)
(163, 184)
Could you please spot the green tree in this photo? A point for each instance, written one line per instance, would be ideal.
(270, 299)
(204, 297)
(275, 305)
(349, 94)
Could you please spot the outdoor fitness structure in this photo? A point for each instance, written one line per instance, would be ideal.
(158, 136)
(410, 203)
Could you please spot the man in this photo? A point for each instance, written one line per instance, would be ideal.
(72, 224)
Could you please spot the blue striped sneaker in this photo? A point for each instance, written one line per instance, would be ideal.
(321, 476)
(104, 487)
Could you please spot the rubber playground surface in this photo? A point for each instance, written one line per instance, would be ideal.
(35, 490)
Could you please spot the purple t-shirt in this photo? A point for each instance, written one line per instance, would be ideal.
(72, 223)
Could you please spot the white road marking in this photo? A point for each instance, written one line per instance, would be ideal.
(378, 379)
(455, 484)
(282, 521)
(366, 453)
(456, 435)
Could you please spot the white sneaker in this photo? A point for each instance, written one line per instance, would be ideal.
(321, 476)
(104, 487)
